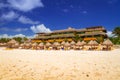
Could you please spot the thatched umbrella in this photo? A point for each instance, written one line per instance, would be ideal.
(28, 45)
(56, 44)
(79, 43)
(108, 44)
(34, 45)
(48, 44)
(83, 42)
(11, 43)
(16, 45)
(72, 42)
(95, 43)
(41, 45)
(67, 44)
(91, 43)
(63, 43)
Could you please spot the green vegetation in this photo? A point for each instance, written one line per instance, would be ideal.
(116, 38)
(19, 39)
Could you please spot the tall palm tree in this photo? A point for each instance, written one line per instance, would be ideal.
(116, 31)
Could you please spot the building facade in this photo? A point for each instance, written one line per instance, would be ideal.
(97, 33)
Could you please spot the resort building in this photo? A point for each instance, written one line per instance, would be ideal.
(97, 33)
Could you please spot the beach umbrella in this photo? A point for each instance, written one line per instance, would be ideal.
(72, 42)
(56, 44)
(91, 42)
(83, 42)
(12, 41)
(27, 44)
(67, 44)
(34, 44)
(79, 43)
(63, 43)
(48, 44)
(41, 44)
(95, 42)
(107, 42)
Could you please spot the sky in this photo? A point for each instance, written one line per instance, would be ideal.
(20, 18)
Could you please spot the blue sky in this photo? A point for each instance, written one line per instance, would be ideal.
(26, 17)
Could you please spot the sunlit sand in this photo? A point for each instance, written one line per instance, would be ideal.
(16, 64)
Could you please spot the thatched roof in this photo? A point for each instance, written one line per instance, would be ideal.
(72, 42)
(28, 44)
(48, 44)
(92, 42)
(12, 41)
(83, 42)
(56, 44)
(67, 44)
(34, 44)
(63, 43)
(107, 42)
(41, 44)
(79, 43)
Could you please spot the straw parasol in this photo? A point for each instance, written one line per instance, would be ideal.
(108, 42)
(63, 43)
(79, 43)
(41, 44)
(83, 42)
(56, 44)
(67, 44)
(34, 44)
(91, 42)
(95, 43)
(72, 43)
(11, 43)
(48, 44)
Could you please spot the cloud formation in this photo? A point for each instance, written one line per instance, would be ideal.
(40, 29)
(26, 20)
(9, 16)
(13, 30)
(25, 5)
(16, 35)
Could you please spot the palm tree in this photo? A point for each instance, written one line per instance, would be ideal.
(116, 31)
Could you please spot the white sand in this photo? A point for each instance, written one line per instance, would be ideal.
(59, 65)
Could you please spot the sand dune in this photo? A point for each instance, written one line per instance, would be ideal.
(59, 65)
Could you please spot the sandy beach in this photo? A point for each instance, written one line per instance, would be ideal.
(19, 64)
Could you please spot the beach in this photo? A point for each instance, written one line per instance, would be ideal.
(21, 64)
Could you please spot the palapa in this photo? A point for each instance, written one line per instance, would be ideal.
(107, 42)
(56, 44)
(72, 42)
(67, 44)
(79, 43)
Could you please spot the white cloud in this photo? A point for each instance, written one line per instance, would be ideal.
(109, 33)
(9, 16)
(26, 20)
(40, 28)
(16, 35)
(13, 30)
(25, 5)
(19, 35)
